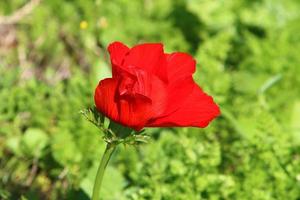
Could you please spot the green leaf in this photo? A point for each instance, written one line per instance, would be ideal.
(64, 149)
(13, 144)
(34, 141)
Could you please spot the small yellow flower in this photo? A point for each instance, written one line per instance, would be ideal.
(83, 24)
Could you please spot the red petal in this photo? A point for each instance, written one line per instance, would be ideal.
(180, 65)
(104, 98)
(198, 110)
(147, 85)
(129, 110)
(180, 68)
(117, 51)
(178, 92)
(158, 96)
(149, 57)
(134, 111)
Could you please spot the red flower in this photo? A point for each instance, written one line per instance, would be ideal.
(150, 88)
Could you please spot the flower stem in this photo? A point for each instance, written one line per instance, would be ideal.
(104, 161)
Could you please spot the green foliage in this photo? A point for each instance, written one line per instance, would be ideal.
(248, 59)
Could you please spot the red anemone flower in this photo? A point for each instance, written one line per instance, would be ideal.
(150, 88)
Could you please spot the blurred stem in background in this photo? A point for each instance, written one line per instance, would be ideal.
(110, 148)
(20, 13)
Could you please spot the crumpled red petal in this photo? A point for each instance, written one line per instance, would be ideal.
(148, 85)
(149, 57)
(133, 110)
(117, 51)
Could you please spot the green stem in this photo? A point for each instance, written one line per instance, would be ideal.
(104, 161)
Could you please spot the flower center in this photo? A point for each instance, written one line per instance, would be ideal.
(136, 82)
(126, 86)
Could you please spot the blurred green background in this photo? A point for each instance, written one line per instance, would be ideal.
(53, 53)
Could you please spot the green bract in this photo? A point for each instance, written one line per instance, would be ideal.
(114, 133)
